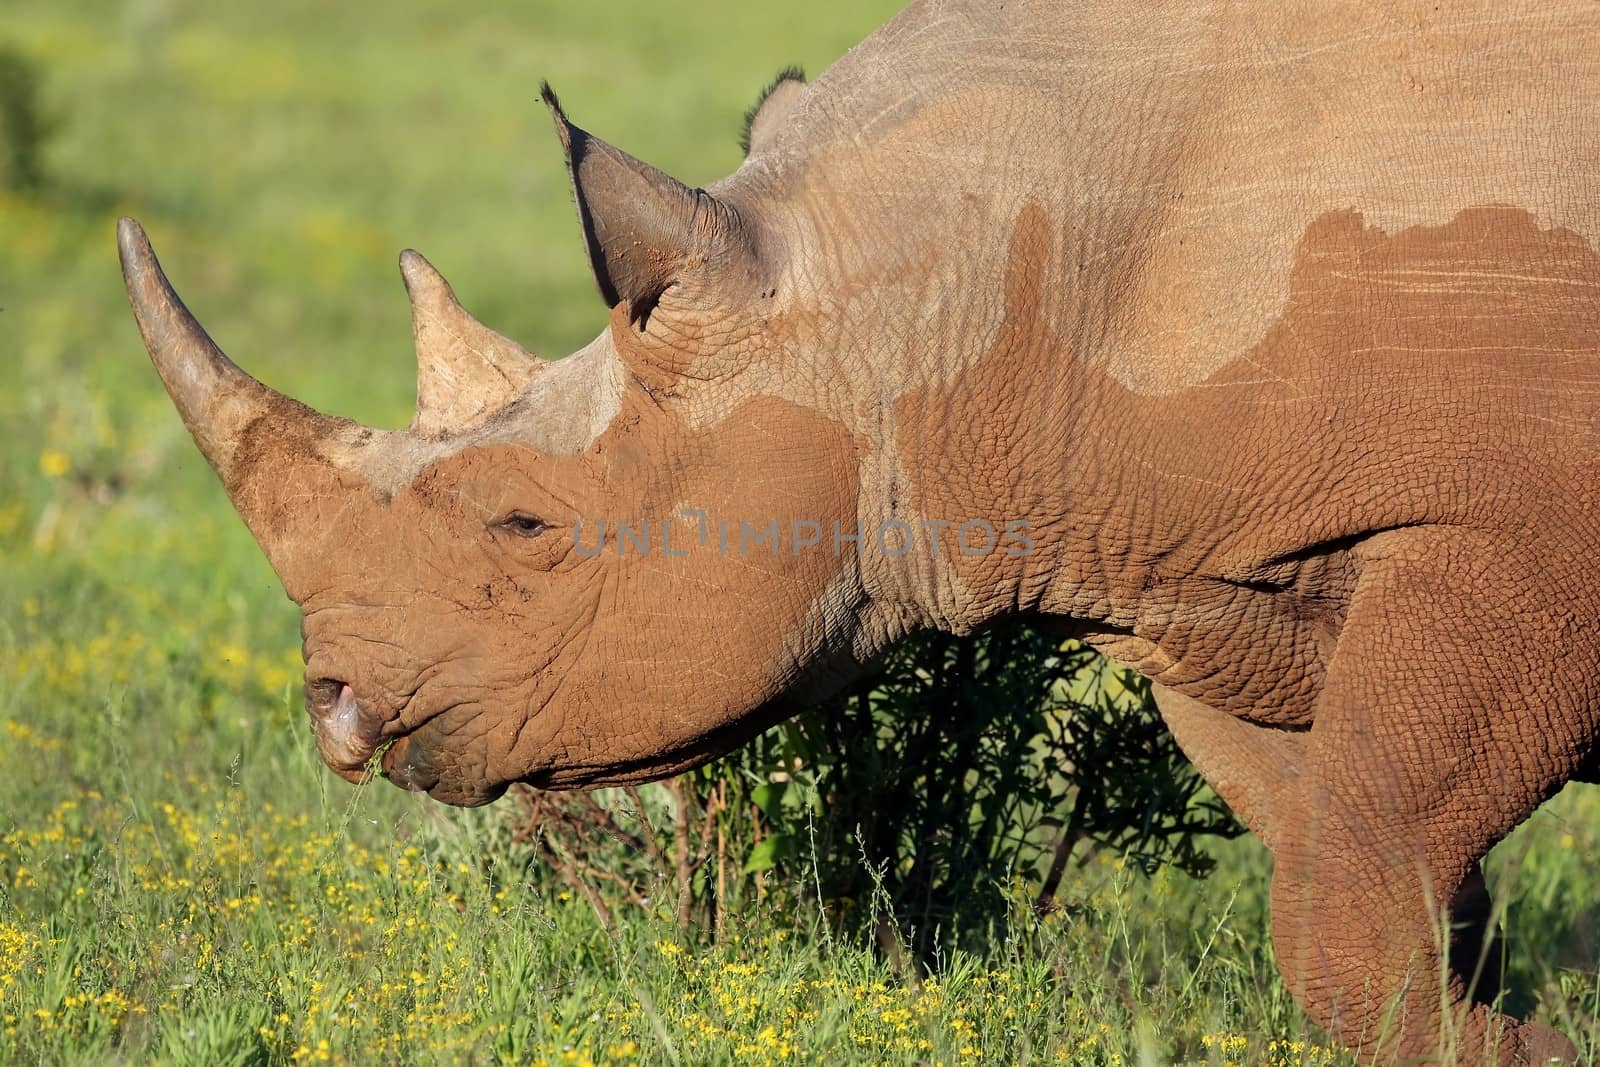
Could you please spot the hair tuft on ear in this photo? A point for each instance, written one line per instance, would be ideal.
(780, 93)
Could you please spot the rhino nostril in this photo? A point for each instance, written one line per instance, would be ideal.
(336, 721)
(324, 694)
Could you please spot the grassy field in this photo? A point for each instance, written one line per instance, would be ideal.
(180, 880)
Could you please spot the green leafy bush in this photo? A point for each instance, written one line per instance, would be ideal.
(914, 806)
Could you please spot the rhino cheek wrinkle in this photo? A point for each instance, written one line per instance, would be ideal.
(1274, 324)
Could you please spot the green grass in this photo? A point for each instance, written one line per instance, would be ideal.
(180, 879)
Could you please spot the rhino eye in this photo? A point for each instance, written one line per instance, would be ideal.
(522, 524)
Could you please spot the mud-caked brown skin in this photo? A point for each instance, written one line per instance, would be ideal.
(1273, 328)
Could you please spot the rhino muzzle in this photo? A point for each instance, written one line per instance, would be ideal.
(284, 465)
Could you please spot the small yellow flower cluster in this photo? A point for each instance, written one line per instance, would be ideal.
(87, 1012)
(211, 884)
(75, 669)
(735, 1009)
(239, 670)
(1091, 1040)
(54, 463)
(17, 947)
(1226, 1043)
(20, 733)
(121, 655)
(1278, 1052)
(1284, 1052)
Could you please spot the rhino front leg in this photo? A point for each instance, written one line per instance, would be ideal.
(1255, 768)
(1455, 703)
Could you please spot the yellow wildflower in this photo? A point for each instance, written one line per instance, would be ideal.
(54, 463)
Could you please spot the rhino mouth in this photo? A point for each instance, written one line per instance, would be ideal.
(409, 766)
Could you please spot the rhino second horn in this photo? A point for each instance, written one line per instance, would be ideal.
(466, 372)
(217, 401)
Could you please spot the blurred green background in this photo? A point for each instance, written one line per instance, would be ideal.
(180, 879)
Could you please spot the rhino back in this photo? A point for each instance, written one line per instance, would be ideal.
(1183, 148)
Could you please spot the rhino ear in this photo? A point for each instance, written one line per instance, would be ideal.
(644, 229)
(777, 100)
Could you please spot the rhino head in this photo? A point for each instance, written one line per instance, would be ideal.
(600, 569)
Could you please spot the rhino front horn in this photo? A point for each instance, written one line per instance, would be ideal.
(644, 229)
(465, 371)
(252, 436)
